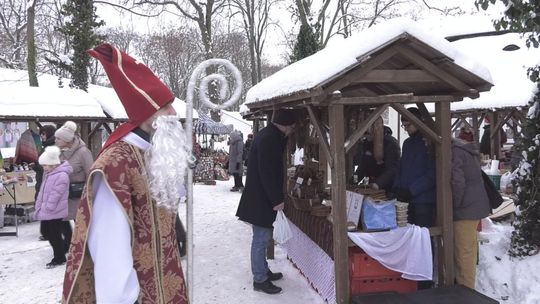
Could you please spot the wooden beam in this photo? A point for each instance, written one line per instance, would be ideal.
(392, 76)
(393, 98)
(352, 76)
(323, 139)
(339, 206)
(455, 124)
(364, 126)
(443, 156)
(436, 71)
(417, 122)
(107, 128)
(476, 127)
(428, 120)
(464, 120)
(495, 135)
(501, 123)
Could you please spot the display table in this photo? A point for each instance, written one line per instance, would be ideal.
(24, 187)
(19, 188)
(318, 229)
(311, 251)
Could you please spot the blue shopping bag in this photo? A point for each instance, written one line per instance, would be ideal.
(378, 216)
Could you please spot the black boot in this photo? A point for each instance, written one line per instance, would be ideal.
(274, 276)
(55, 262)
(266, 287)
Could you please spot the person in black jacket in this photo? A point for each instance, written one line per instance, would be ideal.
(47, 139)
(381, 175)
(263, 194)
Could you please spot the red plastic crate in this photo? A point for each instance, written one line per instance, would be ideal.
(382, 284)
(362, 265)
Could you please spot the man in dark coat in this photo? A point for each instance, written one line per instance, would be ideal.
(381, 175)
(263, 194)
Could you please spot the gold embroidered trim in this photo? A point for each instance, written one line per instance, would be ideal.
(155, 233)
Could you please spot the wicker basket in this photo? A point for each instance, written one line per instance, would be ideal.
(304, 203)
(321, 210)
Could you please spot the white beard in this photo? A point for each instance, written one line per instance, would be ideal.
(166, 162)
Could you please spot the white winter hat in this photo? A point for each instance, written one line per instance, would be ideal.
(67, 131)
(51, 156)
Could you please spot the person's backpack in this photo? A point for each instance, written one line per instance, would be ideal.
(495, 198)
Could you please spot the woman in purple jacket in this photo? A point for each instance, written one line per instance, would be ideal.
(52, 201)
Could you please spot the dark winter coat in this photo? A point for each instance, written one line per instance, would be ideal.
(38, 168)
(264, 181)
(417, 170)
(247, 148)
(381, 174)
(236, 150)
(468, 193)
(485, 141)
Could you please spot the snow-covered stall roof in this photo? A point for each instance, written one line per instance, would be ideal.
(104, 97)
(344, 55)
(512, 87)
(235, 119)
(18, 99)
(48, 102)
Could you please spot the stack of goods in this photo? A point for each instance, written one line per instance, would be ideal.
(306, 186)
(376, 195)
(401, 213)
(205, 169)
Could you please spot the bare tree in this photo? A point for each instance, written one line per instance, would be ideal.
(172, 55)
(31, 44)
(342, 17)
(255, 22)
(13, 33)
(201, 12)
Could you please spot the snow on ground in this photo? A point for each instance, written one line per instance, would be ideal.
(508, 280)
(222, 265)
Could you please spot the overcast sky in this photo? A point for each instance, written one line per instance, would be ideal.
(276, 54)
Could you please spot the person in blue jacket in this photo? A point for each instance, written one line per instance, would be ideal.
(415, 180)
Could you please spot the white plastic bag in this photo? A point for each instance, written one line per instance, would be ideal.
(282, 229)
(506, 179)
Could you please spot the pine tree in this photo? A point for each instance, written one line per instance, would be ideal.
(80, 31)
(306, 44)
(524, 17)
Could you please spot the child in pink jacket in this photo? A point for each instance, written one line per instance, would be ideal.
(52, 201)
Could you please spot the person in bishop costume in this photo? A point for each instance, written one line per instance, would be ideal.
(124, 247)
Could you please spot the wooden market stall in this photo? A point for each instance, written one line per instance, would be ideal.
(343, 89)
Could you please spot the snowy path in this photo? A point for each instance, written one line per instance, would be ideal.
(222, 267)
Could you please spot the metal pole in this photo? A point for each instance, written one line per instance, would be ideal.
(203, 88)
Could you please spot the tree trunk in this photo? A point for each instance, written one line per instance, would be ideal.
(31, 46)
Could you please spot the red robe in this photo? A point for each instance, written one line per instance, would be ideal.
(156, 257)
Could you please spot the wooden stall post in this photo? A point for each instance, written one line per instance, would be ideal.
(339, 208)
(444, 192)
(495, 134)
(476, 127)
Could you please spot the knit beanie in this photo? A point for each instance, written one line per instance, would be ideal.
(284, 117)
(415, 112)
(51, 156)
(66, 132)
